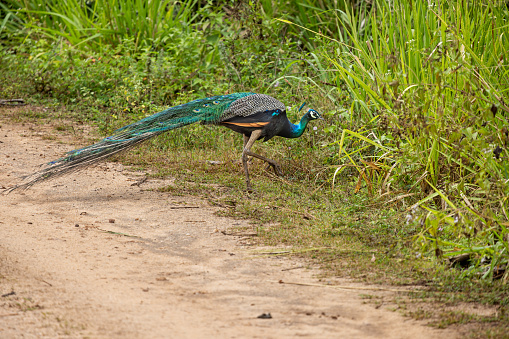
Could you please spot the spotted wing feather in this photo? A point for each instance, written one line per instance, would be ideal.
(252, 104)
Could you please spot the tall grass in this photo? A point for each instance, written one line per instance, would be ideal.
(434, 77)
(95, 23)
(314, 15)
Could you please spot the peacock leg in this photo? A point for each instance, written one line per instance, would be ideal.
(247, 151)
(246, 139)
(275, 166)
(248, 143)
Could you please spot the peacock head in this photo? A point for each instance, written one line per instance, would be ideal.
(313, 115)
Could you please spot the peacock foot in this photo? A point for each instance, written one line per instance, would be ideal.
(250, 189)
(277, 169)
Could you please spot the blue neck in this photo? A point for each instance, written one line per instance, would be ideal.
(297, 130)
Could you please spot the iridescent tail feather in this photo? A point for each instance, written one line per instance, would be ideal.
(209, 110)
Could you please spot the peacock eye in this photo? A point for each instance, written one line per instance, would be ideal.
(206, 105)
(196, 110)
(216, 102)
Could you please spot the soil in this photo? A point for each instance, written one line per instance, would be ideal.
(94, 255)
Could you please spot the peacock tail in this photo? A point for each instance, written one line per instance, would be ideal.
(208, 111)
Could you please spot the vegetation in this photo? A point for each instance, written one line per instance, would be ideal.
(411, 165)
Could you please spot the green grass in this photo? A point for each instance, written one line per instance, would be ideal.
(428, 84)
(92, 24)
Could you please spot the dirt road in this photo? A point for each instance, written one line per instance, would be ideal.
(174, 271)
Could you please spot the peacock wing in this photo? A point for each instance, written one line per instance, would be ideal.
(252, 104)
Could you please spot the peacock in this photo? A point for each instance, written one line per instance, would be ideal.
(256, 116)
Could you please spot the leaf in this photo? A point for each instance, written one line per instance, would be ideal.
(359, 182)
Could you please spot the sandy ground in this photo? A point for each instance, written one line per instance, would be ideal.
(176, 270)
